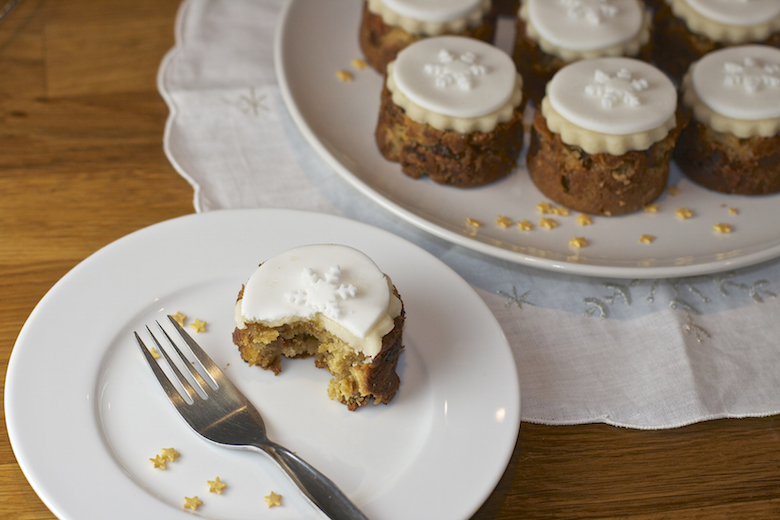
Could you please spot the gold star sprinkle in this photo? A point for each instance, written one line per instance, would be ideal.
(192, 503)
(169, 453)
(273, 499)
(344, 76)
(672, 190)
(683, 213)
(647, 239)
(733, 211)
(359, 64)
(544, 208)
(198, 326)
(179, 318)
(504, 222)
(578, 242)
(584, 220)
(548, 223)
(651, 208)
(558, 210)
(722, 228)
(154, 353)
(158, 462)
(525, 225)
(473, 222)
(216, 486)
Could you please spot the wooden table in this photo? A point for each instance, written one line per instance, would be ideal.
(81, 164)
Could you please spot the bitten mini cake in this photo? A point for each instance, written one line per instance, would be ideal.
(686, 30)
(552, 33)
(331, 302)
(732, 144)
(602, 141)
(388, 26)
(452, 109)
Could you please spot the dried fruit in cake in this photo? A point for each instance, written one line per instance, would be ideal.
(331, 302)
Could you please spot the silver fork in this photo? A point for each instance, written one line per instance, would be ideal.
(226, 417)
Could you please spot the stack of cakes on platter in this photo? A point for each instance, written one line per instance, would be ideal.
(388, 26)
(732, 144)
(603, 137)
(553, 33)
(686, 30)
(452, 109)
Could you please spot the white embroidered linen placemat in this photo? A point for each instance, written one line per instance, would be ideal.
(645, 354)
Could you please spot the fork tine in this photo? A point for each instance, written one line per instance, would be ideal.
(170, 390)
(185, 383)
(204, 385)
(216, 374)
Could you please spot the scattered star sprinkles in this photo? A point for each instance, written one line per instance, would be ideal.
(651, 208)
(216, 486)
(192, 503)
(198, 326)
(722, 228)
(179, 318)
(504, 222)
(673, 190)
(273, 499)
(170, 454)
(544, 208)
(473, 222)
(733, 211)
(548, 223)
(158, 462)
(525, 225)
(154, 353)
(359, 64)
(584, 220)
(683, 213)
(646, 239)
(344, 76)
(578, 242)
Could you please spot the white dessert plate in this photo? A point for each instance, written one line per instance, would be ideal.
(85, 414)
(316, 38)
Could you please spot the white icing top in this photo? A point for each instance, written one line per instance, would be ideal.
(583, 25)
(740, 82)
(613, 95)
(433, 10)
(338, 282)
(737, 12)
(455, 76)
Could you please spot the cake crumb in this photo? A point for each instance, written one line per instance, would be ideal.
(344, 76)
(359, 63)
(733, 211)
(198, 326)
(473, 222)
(544, 208)
(647, 239)
(578, 242)
(683, 213)
(154, 353)
(273, 499)
(216, 486)
(525, 225)
(504, 222)
(722, 228)
(179, 318)
(584, 220)
(170, 454)
(158, 462)
(673, 190)
(548, 223)
(192, 503)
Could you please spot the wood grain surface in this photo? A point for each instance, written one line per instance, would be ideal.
(81, 165)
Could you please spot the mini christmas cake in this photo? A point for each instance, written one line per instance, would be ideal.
(452, 109)
(686, 30)
(552, 33)
(331, 302)
(732, 144)
(602, 140)
(388, 26)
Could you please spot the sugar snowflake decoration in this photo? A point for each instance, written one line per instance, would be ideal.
(460, 70)
(620, 88)
(752, 75)
(321, 294)
(593, 11)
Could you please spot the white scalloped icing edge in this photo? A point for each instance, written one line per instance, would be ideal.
(742, 128)
(420, 27)
(463, 125)
(597, 142)
(719, 32)
(628, 48)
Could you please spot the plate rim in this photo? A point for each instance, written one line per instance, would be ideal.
(14, 423)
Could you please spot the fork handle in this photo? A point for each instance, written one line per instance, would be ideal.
(319, 488)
